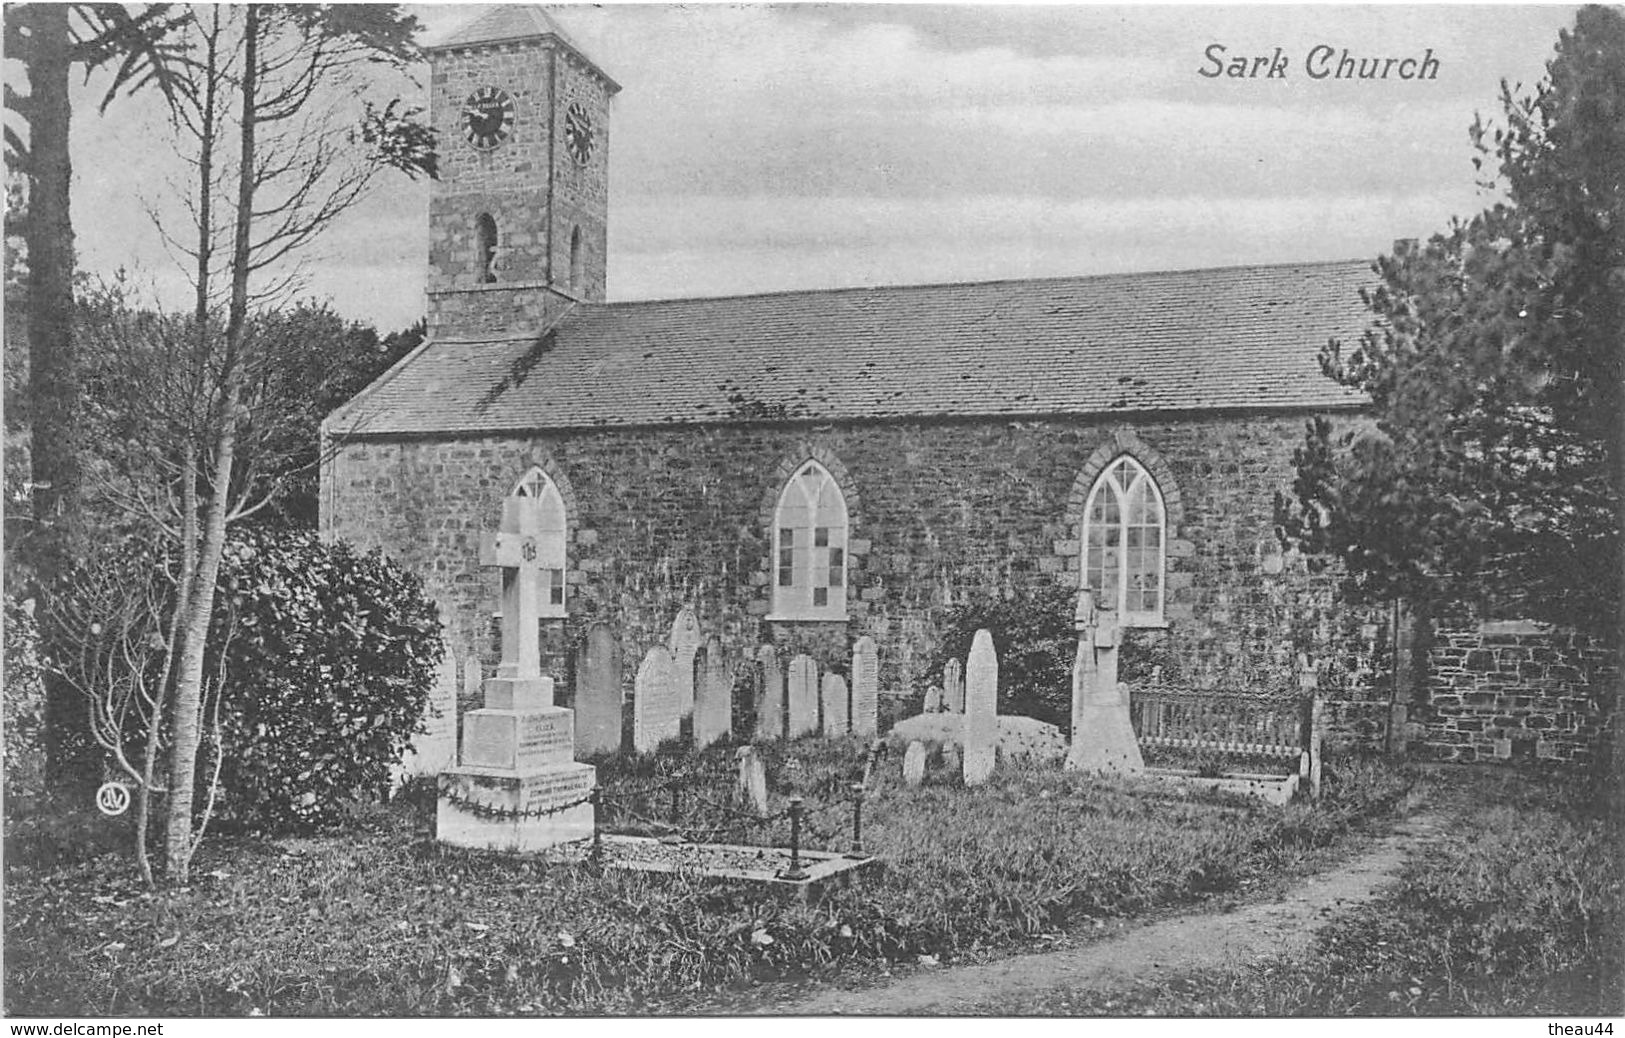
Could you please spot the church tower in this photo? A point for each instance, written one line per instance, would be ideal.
(518, 221)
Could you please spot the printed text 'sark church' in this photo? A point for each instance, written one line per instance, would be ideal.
(806, 468)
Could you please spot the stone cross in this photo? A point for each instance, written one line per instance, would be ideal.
(514, 550)
(1102, 731)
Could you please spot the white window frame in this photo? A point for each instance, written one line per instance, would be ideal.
(1110, 482)
(810, 559)
(551, 539)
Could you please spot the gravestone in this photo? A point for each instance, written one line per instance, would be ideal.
(981, 709)
(914, 763)
(684, 642)
(953, 687)
(518, 786)
(655, 712)
(933, 700)
(836, 719)
(752, 784)
(713, 699)
(471, 676)
(598, 691)
(865, 687)
(802, 688)
(769, 694)
(1102, 732)
(435, 749)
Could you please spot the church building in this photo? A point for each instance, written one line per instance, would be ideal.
(806, 468)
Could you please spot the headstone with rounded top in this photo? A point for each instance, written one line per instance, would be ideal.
(598, 691)
(914, 763)
(655, 715)
(803, 696)
(834, 698)
(933, 700)
(713, 697)
(769, 694)
(684, 643)
(865, 687)
(981, 709)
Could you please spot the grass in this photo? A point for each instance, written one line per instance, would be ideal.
(1518, 912)
(379, 920)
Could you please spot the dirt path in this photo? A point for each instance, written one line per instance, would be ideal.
(1156, 951)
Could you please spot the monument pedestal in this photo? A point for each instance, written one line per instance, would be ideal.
(1102, 732)
(517, 773)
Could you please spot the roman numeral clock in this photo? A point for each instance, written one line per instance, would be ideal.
(488, 117)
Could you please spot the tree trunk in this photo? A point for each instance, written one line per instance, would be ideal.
(179, 843)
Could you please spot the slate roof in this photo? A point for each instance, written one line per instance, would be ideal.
(515, 22)
(1242, 338)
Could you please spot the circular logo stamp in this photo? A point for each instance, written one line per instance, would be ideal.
(113, 799)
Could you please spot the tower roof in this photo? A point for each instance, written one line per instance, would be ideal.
(511, 22)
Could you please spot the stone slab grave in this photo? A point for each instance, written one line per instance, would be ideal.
(833, 699)
(1103, 737)
(684, 642)
(656, 715)
(981, 710)
(865, 687)
(713, 696)
(953, 687)
(769, 695)
(767, 867)
(518, 787)
(802, 686)
(598, 692)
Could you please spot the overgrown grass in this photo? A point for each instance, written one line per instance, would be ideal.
(1518, 912)
(379, 920)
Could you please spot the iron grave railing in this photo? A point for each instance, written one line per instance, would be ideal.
(1223, 728)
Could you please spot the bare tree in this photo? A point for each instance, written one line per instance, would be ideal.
(280, 139)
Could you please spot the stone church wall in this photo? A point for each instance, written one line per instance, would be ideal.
(1514, 692)
(938, 512)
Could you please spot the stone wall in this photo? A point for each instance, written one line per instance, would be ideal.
(1514, 691)
(938, 512)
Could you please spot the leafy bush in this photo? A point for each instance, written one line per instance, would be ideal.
(330, 662)
(1033, 635)
(24, 718)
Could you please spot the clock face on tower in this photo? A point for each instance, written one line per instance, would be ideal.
(487, 117)
(578, 133)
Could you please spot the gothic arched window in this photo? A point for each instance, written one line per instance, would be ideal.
(575, 260)
(546, 522)
(809, 547)
(1124, 530)
(485, 247)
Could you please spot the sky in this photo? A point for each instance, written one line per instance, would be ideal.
(766, 147)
